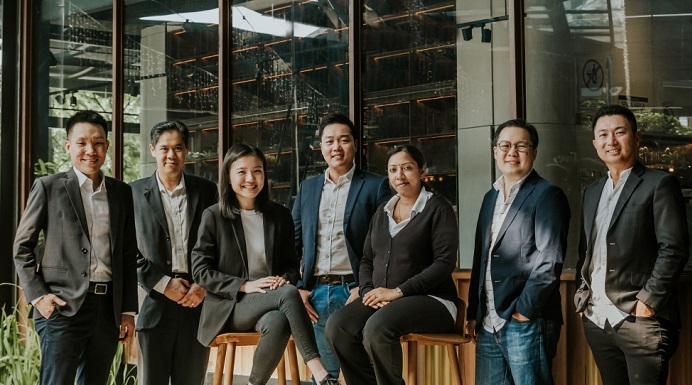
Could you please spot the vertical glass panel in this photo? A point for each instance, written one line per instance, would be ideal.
(171, 73)
(290, 67)
(72, 71)
(584, 54)
(409, 85)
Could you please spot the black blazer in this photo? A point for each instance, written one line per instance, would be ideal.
(527, 255)
(647, 240)
(55, 206)
(154, 259)
(220, 265)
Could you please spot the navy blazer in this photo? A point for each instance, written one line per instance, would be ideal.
(55, 207)
(154, 259)
(527, 255)
(366, 193)
(220, 265)
(647, 240)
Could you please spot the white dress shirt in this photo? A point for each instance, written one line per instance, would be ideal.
(175, 207)
(95, 202)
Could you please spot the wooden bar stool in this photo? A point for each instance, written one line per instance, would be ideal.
(451, 341)
(227, 342)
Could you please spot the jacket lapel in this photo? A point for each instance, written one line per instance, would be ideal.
(353, 191)
(591, 200)
(239, 234)
(524, 191)
(114, 207)
(153, 197)
(487, 219)
(72, 186)
(632, 182)
(269, 231)
(192, 191)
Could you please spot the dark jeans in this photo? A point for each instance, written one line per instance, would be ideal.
(82, 345)
(638, 352)
(276, 315)
(358, 331)
(520, 353)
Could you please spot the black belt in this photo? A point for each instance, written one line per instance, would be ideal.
(335, 279)
(100, 288)
(185, 276)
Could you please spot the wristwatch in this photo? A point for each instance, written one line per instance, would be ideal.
(399, 291)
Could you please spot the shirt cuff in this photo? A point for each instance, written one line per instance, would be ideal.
(161, 285)
(129, 313)
(33, 303)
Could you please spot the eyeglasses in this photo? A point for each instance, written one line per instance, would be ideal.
(505, 146)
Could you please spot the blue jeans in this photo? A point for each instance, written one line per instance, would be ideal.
(326, 300)
(519, 353)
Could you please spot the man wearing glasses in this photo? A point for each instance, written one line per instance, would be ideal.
(514, 309)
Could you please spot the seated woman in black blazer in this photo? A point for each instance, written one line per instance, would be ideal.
(405, 277)
(245, 258)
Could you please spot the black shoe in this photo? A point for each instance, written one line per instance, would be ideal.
(329, 380)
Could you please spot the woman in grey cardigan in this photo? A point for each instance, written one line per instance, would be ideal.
(245, 259)
(406, 281)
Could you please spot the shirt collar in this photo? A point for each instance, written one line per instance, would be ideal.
(499, 184)
(342, 179)
(82, 179)
(162, 188)
(623, 176)
(418, 206)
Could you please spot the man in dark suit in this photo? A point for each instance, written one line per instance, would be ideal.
(168, 209)
(633, 247)
(514, 309)
(84, 286)
(331, 215)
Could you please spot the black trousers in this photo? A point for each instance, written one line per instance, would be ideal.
(170, 350)
(638, 352)
(82, 345)
(356, 332)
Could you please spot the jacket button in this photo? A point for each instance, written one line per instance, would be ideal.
(168, 238)
(84, 250)
(84, 274)
(168, 262)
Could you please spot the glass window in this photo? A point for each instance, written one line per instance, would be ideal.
(585, 54)
(171, 73)
(72, 71)
(409, 86)
(290, 67)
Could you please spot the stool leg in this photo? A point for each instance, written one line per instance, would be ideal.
(281, 369)
(220, 360)
(293, 362)
(228, 375)
(454, 363)
(412, 363)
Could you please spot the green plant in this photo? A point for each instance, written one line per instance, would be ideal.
(20, 353)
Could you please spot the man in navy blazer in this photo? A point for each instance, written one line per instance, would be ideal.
(84, 284)
(514, 309)
(168, 210)
(331, 215)
(633, 247)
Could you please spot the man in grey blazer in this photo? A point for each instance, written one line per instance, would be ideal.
(514, 309)
(332, 215)
(168, 209)
(633, 247)
(84, 285)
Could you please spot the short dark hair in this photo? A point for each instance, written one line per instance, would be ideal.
(615, 109)
(520, 123)
(228, 201)
(170, 125)
(87, 116)
(336, 118)
(410, 149)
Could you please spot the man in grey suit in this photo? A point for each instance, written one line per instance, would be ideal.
(633, 247)
(514, 309)
(84, 286)
(168, 209)
(332, 215)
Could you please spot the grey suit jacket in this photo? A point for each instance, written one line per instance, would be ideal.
(527, 256)
(55, 207)
(220, 265)
(154, 259)
(647, 243)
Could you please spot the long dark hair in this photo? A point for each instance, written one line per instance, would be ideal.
(228, 201)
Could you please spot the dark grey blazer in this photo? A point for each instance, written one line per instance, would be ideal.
(154, 259)
(527, 255)
(55, 207)
(220, 265)
(647, 242)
